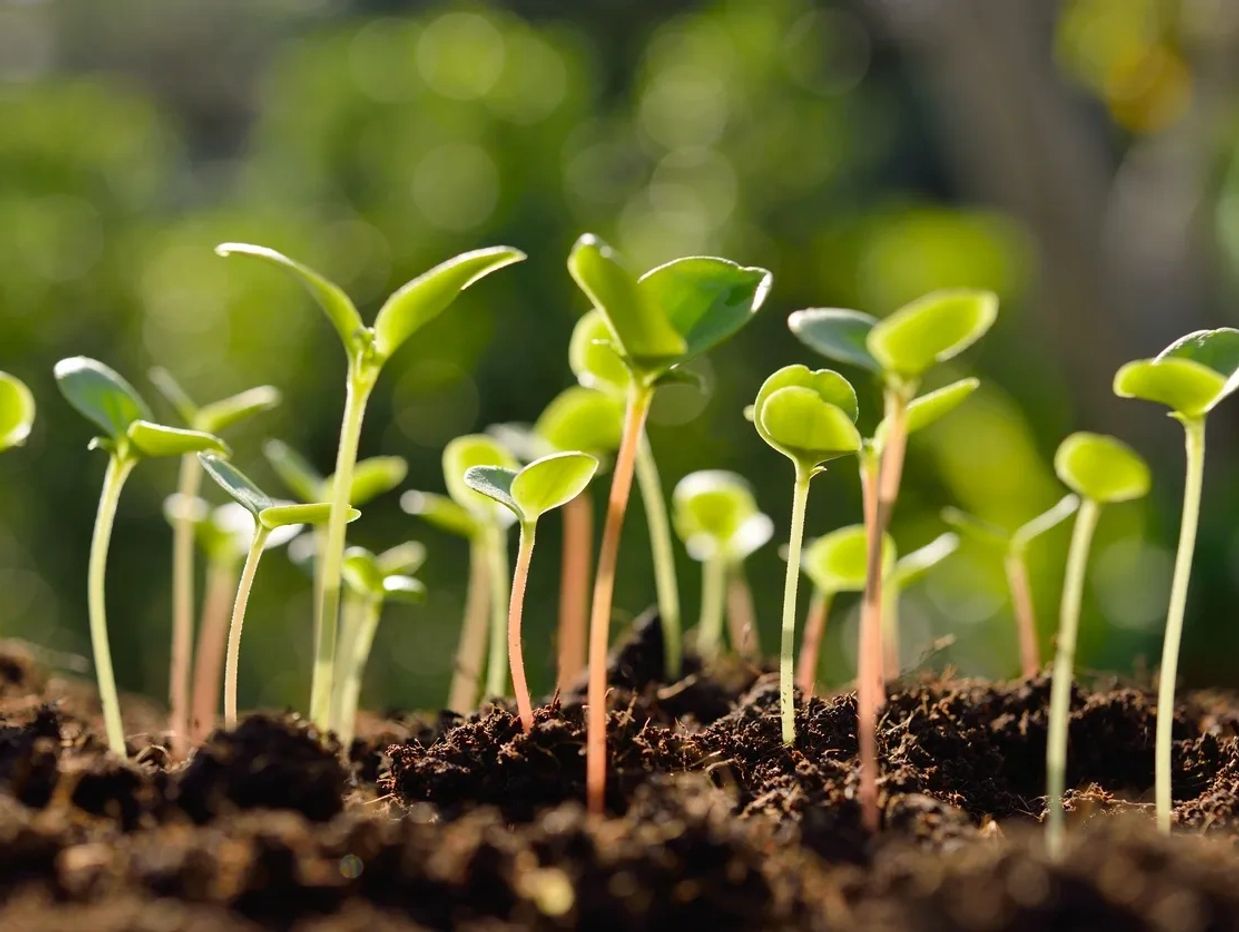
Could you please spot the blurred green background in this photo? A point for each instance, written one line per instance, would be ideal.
(1081, 158)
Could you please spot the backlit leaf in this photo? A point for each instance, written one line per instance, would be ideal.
(275, 516)
(594, 356)
(157, 440)
(475, 450)
(100, 394)
(441, 512)
(552, 481)
(1101, 468)
(220, 415)
(837, 562)
(1183, 385)
(582, 419)
(17, 411)
(294, 470)
(930, 330)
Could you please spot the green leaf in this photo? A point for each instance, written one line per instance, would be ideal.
(431, 293)
(645, 334)
(932, 406)
(705, 300)
(910, 568)
(1187, 387)
(17, 411)
(807, 415)
(294, 470)
(594, 355)
(552, 481)
(983, 532)
(837, 334)
(832, 387)
(1218, 349)
(1101, 468)
(236, 483)
(361, 572)
(582, 419)
(1063, 509)
(475, 450)
(837, 562)
(930, 330)
(167, 385)
(403, 558)
(710, 508)
(495, 483)
(372, 477)
(404, 589)
(100, 395)
(441, 512)
(337, 305)
(220, 415)
(274, 516)
(157, 440)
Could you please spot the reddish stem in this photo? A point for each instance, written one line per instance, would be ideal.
(574, 588)
(209, 655)
(1025, 617)
(516, 605)
(811, 646)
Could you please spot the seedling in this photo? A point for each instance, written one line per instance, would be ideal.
(1101, 470)
(104, 398)
(368, 348)
(372, 580)
(529, 493)
(907, 570)
(268, 516)
(717, 518)
(808, 417)
(1013, 547)
(213, 418)
(669, 315)
(17, 412)
(1190, 376)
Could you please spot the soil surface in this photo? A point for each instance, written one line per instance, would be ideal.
(438, 821)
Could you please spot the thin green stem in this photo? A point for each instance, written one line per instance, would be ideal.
(890, 630)
(351, 610)
(713, 592)
(1195, 443)
(516, 608)
(800, 499)
(119, 467)
(471, 651)
(1064, 663)
(189, 482)
(238, 622)
(500, 587)
(666, 587)
(369, 610)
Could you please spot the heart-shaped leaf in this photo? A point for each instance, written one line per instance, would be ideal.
(594, 356)
(404, 589)
(581, 418)
(100, 395)
(1063, 509)
(372, 477)
(931, 406)
(421, 300)
(294, 470)
(710, 508)
(832, 387)
(837, 334)
(1188, 388)
(404, 558)
(908, 569)
(983, 532)
(930, 330)
(338, 306)
(552, 481)
(837, 562)
(167, 385)
(236, 483)
(475, 450)
(220, 415)
(157, 440)
(807, 415)
(275, 516)
(1101, 468)
(441, 512)
(17, 411)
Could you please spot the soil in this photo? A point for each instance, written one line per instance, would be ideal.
(438, 821)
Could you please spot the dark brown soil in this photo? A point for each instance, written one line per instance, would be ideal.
(434, 821)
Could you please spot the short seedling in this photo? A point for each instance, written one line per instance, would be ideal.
(1191, 377)
(669, 315)
(529, 493)
(17, 412)
(809, 418)
(111, 403)
(269, 515)
(1101, 470)
(368, 348)
(907, 570)
(1013, 547)
(717, 518)
(213, 418)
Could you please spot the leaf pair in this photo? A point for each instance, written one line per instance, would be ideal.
(463, 511)
(372, 477)
(541, 486)
(717, 516)
(269, 513)
(808, 416)
(386, 576)
(1190, 376)
(218, 415)
(17, 411)
(1017, 541)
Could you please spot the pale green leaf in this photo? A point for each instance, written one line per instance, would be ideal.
(594, 356)
(551, 481)
(581, 418)
(1185, 386)
(441, 512)
(475, 450)
(17, 411)
(360, 571)
(167, 385)
(404, 589)
(802, 426)
(220, 415)
(1101, 468)
(837, 334)
(372, 477)
(99, 394)
(930, 407)
(157, 440)
(294, 470)
(930, 330)
(709, 509)
(403, 558)
(838, 561)
(275, 516)
(1063, 509)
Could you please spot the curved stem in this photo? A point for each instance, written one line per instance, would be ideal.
(1025, 616)
(741, 617)
(638, 407)
(238, 622)
(578, 553)
(119, 467)
(1064, 663)
(1195, 444)
(665, 585)
(188, 483)
(497, 576)
(368, 611)
(713, 590)
(471, 651)
(811, 642)
(221, 582)
(787, 648)
(516, 656)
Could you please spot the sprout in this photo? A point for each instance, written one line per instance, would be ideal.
(16, 412)
(529, 493)
(111, 403)
(212, 419)
(808, 417)
(669, 315)
(717, 518)
(906, 571)
(1190, 376)
(900, 350)
(1013, 546)
(269, 515)
(368, 348)
(372, 581)
(1101, 470)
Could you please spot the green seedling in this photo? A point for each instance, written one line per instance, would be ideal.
(212, 418)
(17, 412)
(543, 485)
(906, 571)
(834, 563)
(899, 350)
(1191, 377)
(808, 416)
(269, 515)
(1101, 470)
(129, 435)
(717, 518)
(372, 581)
(655, 323)
(1013, 547)
(368, 348)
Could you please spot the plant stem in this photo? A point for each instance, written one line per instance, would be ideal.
(741, 617)
(665, 585)
(1025, 616)
(360, 384)
(713, 592)
(890, 632)
(497, 576)
(578, 553)
(1195, 443)
(639, 398)
(811, 642)
(787, 648)
(516, 656)
(238, 621)
(1064, 662)
(119, 467)
(471, 652)
(189, 481)
(352, 607)
(366, 624)
(221, 582)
